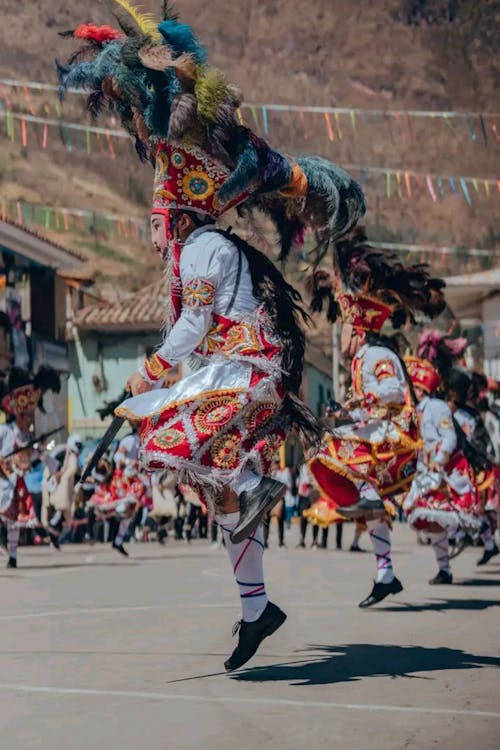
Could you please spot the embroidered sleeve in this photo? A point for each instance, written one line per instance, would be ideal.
(154, 367)
(198, 292)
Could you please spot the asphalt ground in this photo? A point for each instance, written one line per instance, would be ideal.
(98, 651)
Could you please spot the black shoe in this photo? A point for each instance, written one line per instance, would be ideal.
(252, 634)
(54, 539)
(301, 545)
(254, 505)
(380, 591)
(120, 548)
(355, 548)
(442, 577)
(487, 555)
(364, 507)
(12, 562)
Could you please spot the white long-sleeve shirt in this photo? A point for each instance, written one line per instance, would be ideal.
(210, 269)
(437, 430)
(11, 437)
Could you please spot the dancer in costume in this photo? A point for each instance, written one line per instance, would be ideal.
(22, 393)
(60, 478)
(466, 393)
(219, 428)
(443, 496)
(371, 454)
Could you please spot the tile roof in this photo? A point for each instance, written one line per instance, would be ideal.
(142, 311)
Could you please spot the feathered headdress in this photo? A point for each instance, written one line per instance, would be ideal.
(440, 350)
(364, 272)
(155, 77)
(20, 391)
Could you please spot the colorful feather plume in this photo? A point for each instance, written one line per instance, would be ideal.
(155, 77)
(95, 33)
(441, 350)
(145, 22)
(360, 268)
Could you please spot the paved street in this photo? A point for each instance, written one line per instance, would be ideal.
(101, 652)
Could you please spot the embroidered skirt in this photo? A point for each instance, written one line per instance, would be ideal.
(347, 457)
(211, 425)
(446, 501)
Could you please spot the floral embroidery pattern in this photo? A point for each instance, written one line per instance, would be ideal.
(259, 414)
(272, 446)
(168, 439)
(225, 450)
(197, 185)
(241, 339)
(198, 293)
(216, 413)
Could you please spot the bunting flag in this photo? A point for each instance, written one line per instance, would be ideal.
(85, 221)
(472, 123)
(73, 220)
(83, 138)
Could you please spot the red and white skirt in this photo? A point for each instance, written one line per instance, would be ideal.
(211, 425)
(446, 501)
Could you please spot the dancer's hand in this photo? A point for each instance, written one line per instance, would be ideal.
(136, 384)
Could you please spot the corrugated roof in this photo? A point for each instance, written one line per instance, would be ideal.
(142, 311)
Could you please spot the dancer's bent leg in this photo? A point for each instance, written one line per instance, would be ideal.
(260, 617)
(439, 541)
(385, 582)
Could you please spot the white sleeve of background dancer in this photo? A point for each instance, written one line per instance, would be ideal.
(443, 423)
(201, 268)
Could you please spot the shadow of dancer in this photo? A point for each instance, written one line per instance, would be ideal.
(353, 662)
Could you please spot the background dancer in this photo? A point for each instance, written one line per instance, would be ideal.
(465, 395)
(61, 497)
(443, 494)
(21, 395)
(372, 455)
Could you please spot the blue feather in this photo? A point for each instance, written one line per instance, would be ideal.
(247, 168)
(79, 76)
(180, 37)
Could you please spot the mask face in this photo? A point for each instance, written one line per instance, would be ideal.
(163, 234)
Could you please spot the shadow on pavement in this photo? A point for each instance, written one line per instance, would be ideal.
(443, 605)
(477, 582)
(91, 564)
(353, 662)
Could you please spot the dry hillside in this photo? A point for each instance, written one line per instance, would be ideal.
(313, 52)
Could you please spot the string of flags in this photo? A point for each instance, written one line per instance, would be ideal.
(392, 182)
(480, 126)
(73, 220)
(79, 221)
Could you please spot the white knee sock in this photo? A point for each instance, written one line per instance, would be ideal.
(245, 482)
(122, 530)
(439, 543)
(381, 540)
(357, 535)
(246, 559)
(12, 539)
(487, 538)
